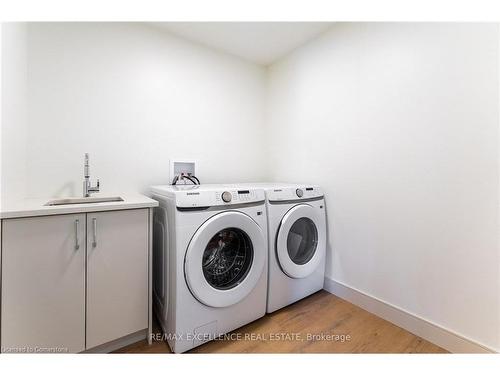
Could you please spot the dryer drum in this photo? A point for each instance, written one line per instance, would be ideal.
(227, 258)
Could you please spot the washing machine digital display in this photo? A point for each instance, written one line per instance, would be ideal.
(227, 258)
(302, 241)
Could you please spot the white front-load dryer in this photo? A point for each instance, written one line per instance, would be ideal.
(210, 261)
(297, 242)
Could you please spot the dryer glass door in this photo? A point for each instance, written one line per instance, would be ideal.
(301, 241)
(225, 259)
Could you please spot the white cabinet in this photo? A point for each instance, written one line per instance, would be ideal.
(117, 274)
(76, 281)
(43, 284)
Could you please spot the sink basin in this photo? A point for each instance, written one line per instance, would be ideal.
(65, 201)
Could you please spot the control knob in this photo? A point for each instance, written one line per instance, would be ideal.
(299, 193)
(226, 196)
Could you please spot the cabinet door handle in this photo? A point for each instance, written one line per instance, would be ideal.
(77, 241)
(94, 226)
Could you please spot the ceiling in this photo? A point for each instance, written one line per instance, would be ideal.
(259, 42)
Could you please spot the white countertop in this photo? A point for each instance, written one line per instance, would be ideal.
(36, 207)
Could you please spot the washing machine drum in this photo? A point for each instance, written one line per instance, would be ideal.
(225, 259)
(301, 241)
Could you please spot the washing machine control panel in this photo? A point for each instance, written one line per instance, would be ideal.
(238, 196)
(297, 193)
(227, 195)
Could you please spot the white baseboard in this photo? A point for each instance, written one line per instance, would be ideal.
(429, 331)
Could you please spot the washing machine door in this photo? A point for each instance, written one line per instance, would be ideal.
(225, 259)
(301, 241)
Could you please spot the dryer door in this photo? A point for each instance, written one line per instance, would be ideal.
(225, 259)
(301, 241)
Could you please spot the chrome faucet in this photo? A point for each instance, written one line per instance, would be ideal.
(87, 187)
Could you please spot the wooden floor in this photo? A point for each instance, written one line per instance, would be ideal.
(289, 330)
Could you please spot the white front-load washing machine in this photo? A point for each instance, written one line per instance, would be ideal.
(297, 242)
(209, 261)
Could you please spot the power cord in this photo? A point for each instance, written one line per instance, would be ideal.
(190, 178)
(194, 180)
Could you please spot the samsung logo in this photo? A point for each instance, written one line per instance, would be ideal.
(193, 193)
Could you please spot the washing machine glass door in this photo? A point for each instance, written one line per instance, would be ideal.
(301, 242)
(225, 259)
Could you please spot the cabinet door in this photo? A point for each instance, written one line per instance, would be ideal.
(117, 274)
(43, 284)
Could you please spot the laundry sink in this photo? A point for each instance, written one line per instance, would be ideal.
(66, 201)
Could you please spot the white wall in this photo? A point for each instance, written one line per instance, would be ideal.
(133, 97)
(13, 129)
(399, 123)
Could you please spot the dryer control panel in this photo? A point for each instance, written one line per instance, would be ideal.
(294, 193)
